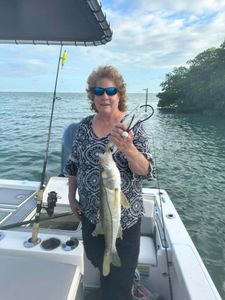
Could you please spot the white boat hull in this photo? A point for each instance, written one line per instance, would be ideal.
(190, 279)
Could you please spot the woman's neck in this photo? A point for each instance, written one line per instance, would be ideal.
(110, 118)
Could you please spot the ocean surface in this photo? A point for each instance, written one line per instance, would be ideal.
(189, 151)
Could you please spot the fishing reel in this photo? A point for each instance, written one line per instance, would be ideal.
(51, 203)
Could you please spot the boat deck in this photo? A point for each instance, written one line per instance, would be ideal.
(17, 201)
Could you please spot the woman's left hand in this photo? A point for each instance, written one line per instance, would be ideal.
(138, 163)
(121, 138)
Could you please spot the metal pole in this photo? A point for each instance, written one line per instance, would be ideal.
(146, 98)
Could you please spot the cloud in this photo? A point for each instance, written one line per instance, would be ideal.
(23, 67)
(147, 36)
(166, 35)
(181, 5)
(27, 60)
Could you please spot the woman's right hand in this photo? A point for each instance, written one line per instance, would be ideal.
(75, 207)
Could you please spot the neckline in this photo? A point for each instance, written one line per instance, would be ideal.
(93, 133)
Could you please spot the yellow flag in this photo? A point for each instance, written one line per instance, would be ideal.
(64, 58)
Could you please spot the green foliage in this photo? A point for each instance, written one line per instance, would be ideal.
(198, 88)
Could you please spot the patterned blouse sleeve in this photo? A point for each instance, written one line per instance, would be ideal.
(70, 167)
(142, 144)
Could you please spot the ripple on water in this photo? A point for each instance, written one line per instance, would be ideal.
(189, 152)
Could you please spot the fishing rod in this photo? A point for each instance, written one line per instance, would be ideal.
(39, 196)
(163, 223)
(10, 226)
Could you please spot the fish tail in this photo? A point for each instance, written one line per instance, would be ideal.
(106, 264)
(116, 259)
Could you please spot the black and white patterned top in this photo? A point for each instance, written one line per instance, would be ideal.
(84, 164)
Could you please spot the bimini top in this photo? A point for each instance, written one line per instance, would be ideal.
(64, 22)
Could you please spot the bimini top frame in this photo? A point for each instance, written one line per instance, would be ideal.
(53, 22)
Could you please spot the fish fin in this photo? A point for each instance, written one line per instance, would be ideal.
(120, 233)
(98, 229)
(106, 265)
(123, 199)
(116, 259)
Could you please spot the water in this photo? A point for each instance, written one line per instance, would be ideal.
(189, 152)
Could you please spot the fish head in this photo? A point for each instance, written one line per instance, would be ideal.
(106, 160)
(108, 171)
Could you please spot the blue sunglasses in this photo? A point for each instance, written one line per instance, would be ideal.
(110, 91)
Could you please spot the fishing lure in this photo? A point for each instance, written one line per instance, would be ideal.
(139, 114)
(64, 57)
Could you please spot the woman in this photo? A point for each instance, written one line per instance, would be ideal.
(107, 94)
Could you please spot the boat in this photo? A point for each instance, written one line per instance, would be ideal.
(59, 254)
(51, 264)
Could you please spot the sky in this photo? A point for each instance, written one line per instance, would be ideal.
(150, 38)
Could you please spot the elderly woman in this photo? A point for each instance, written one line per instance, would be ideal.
(107, 94)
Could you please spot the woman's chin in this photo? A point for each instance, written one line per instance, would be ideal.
(106, 109)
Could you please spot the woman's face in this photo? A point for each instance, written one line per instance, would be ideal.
(106, 104)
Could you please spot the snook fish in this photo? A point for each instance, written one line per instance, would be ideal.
(111, 199)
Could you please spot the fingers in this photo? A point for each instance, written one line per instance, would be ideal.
(120, 131)
(121, 137)
(77, 207)
(122, 127)
(77, 216)
(76, 210)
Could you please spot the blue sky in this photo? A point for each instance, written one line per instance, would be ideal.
(150, 38)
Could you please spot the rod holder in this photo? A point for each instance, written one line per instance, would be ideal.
(35, 230)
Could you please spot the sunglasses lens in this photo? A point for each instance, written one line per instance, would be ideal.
(99, 91)
(111, 91)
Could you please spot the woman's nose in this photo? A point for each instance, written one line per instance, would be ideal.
(105, 95)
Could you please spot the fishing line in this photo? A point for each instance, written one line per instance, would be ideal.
(162, 219)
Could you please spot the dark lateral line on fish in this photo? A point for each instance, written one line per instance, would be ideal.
(110, 214)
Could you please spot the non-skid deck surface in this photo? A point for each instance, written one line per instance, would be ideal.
(14, 197)
(24, 278)
(16, 204)
(4, 214)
